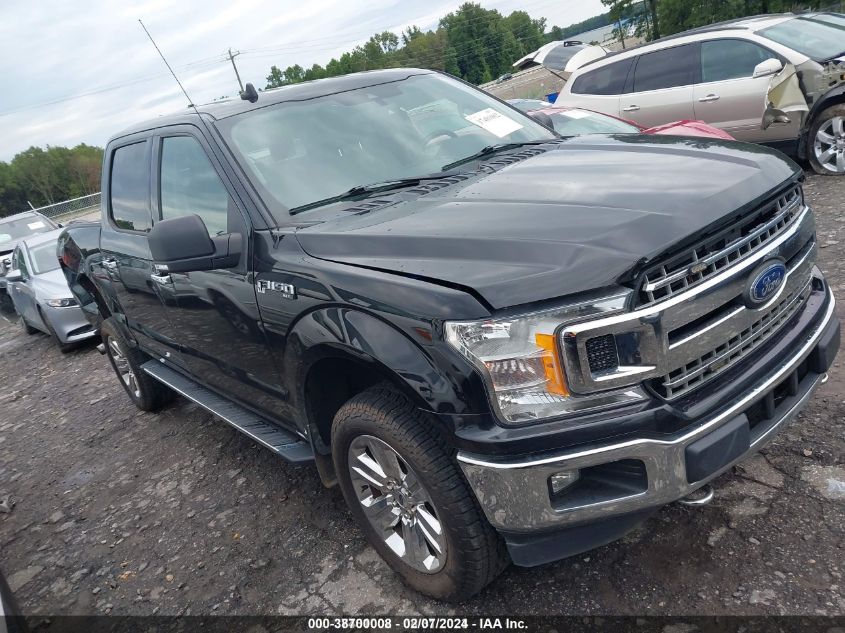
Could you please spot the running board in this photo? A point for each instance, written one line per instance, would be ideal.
(290, 447)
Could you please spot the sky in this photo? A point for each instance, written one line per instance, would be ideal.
(78, 72)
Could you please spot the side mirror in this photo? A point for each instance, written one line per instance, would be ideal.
(768, 67)
(14, 275)
(183, 245)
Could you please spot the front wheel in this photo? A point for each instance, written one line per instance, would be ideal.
(826, 142)
(406, 492)
(27, 327)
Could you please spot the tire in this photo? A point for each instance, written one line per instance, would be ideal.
(27, 327)
(473, 554)
(146, 392)
(828, 125)
(64, 348)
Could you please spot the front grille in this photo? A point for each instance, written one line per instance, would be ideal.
(728, 353)
(720, 250)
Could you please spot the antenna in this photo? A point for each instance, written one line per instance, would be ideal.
(158, 50)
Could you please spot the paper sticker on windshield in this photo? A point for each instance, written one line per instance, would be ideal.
(577, 114)
(493, 122)
(35, 225)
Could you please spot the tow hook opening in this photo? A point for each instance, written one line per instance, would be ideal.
(700, 497)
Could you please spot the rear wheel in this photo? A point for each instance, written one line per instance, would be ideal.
(404, 488)
(826, 142)
(147, 393)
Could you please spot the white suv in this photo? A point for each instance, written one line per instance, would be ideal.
(790, 67)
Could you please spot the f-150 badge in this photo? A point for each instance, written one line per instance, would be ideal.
(288, 290)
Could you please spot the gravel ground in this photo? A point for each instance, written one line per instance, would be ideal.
(117, 511)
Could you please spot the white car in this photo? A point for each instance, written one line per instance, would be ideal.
(774, 79)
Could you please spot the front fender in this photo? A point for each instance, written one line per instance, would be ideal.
(407, 354)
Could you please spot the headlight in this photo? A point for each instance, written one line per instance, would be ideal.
(519, 358)
(61, 303)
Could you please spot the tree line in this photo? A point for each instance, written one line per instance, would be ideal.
(43, 176)
(651, 19)
(473, 43)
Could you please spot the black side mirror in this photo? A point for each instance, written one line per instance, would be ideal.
(183, 245)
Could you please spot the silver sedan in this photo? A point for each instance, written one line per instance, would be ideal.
(41, 294)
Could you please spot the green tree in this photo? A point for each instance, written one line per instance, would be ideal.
(46, 175)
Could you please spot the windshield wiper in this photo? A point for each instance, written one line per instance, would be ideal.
(364, 190)
(494, 149)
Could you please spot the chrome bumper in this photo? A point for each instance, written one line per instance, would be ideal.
(515, 494)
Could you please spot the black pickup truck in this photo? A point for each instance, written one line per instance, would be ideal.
(501, 344)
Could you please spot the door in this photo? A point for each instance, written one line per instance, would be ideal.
(21, 293)
(126, 260)
(662, 86)
(215, 313)
(729, 97)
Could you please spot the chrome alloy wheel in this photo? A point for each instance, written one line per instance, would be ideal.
(124, 369)
(397, 505)
(829, 146)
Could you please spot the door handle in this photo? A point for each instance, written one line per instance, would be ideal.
(710, 97)
(631, 108)
(161, 274)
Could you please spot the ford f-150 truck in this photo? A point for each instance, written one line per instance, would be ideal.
(503, 345)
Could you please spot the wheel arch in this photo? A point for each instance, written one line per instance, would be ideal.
(335, 353)
(834, 96)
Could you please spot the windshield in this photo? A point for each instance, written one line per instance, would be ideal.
(13, 230)
(299, 153)
(44, 258)
(577, 121)
(819, 38)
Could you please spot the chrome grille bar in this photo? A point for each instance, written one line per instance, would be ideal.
(688, 330)
(729, 353)
(712, 255)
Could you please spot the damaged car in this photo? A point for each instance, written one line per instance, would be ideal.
(778, 80)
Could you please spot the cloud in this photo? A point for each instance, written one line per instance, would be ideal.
(95, 67)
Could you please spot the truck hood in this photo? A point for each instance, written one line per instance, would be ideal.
(577, 217)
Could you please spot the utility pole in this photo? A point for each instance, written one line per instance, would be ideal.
(237, 74)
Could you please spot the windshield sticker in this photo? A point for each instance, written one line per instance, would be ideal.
(577, 114)
(35, 225)
(495, 123)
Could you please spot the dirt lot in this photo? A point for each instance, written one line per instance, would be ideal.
(117, 511)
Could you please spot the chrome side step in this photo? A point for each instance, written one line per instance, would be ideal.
(285, 444)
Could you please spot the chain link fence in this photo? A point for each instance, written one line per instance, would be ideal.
(70, 209)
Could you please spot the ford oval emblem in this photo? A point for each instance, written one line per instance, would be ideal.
(766, 280)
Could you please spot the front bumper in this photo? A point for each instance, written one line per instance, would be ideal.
(620, 483)
(69, 324)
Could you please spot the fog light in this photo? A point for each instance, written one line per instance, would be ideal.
(562, 480)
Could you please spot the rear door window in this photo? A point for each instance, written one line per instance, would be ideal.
(730, 59)
(668, 68)
(607, 80)
(129, 190)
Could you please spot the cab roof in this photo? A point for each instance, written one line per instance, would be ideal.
(295, 92)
